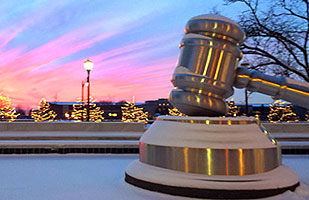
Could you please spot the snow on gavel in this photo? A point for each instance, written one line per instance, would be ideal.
(208, 69)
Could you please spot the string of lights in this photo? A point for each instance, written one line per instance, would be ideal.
(6, 112)
(281, 113)
(79, 112)
(175, 112)
(131, 113)
(233, 109)
(44, 113)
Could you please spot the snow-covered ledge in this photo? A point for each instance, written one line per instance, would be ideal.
(72, 126)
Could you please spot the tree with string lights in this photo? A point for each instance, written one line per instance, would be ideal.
(233, 109)
(175, 112)
(79, 112)
(44, 113)
(131, 113)
(7, 113)
(275, 113)
(281, 113)
(288, 115)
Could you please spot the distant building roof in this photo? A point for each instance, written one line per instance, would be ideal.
(98, 103)
(64, 103)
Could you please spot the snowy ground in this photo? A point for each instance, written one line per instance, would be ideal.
(81, 177)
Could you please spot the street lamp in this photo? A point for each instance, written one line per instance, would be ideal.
(88, 65)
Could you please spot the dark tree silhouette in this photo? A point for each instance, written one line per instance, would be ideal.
(277, 36)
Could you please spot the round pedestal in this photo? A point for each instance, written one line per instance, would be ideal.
(210, 158)
(177, 183)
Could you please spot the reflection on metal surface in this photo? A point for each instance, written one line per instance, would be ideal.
(207, 62)
(218, 66)
(241, 162)
(227, 162)
(280, 87)
(260, 156)
(216, 26)
(210, 161)
(273, 84)
(269, 136)
(185, 151)
(208, 53)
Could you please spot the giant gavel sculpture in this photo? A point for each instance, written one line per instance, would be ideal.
(205, 156)
(207, 70)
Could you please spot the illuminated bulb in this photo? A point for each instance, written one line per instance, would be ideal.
(88, 65)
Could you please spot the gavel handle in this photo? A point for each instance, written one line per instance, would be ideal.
(287, 89)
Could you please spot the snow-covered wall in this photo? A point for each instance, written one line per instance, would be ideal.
(300, 127)
(72, 126)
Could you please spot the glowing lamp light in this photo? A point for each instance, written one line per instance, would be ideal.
(88, 65)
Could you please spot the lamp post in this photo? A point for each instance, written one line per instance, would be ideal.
(246, 65)
(82, 100)
(246, 101)
(88, 65)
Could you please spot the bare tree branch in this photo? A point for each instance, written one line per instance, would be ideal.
(278, 34)
(261, 52)
(292, 12)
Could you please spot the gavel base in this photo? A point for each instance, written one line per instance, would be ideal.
(210, 157)
(177, 183)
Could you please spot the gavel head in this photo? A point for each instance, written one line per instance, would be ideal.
(205, 73)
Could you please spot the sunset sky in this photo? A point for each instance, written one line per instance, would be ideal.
(132, 43)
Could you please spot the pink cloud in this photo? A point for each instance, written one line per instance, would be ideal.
(10, 55)
(61, 85)
(124, 77)
(49, 52)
